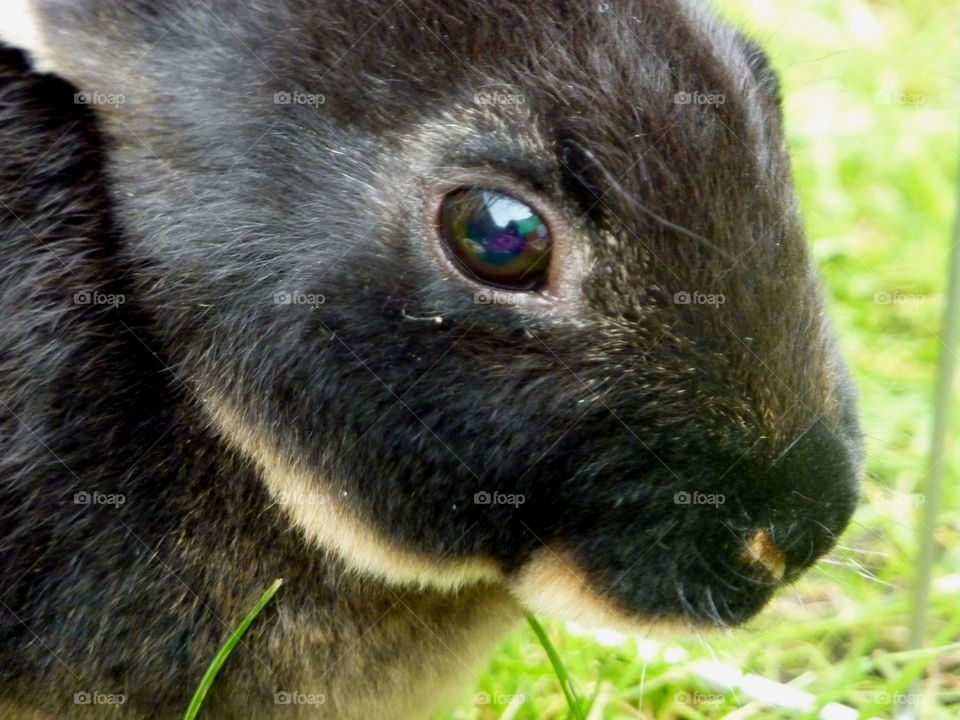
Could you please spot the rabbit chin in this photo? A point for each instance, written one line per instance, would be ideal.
(552, 584)
(330, 524)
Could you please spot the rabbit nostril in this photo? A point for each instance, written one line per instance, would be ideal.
(761, 550)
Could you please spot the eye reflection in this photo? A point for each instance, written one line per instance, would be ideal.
(496, 238)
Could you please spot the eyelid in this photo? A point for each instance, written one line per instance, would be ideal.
(561, 293)
(496, 238)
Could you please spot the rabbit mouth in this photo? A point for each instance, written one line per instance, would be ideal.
(555, 584)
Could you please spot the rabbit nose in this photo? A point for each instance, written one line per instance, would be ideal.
(760, 550)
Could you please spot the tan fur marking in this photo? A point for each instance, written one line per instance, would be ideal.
(11, 711)
(553, 584)
(328, 522)
(760, 549)
(19, 28)
(444, 641)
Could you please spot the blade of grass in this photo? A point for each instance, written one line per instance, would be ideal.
(572, 701)
(226, 649)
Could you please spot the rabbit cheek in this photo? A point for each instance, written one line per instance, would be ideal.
(328, 522)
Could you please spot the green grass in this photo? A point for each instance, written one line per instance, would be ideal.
(876, 181)
(224, 652)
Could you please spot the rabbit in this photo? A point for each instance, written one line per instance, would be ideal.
(440, 312)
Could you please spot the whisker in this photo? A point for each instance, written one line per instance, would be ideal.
(632, 201)
(857, 568)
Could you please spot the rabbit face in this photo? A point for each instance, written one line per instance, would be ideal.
(625, 406)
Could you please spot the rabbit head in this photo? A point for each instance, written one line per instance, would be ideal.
(518, 290)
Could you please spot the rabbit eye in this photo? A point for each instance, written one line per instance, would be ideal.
(495, 238)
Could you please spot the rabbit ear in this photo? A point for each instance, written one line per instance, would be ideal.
(20, 28)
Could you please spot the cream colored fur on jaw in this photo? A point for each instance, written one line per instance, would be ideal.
(551, 583)
(329, 523)
(19, 28)
(11, 711)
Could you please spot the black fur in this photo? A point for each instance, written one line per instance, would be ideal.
(198, 199)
